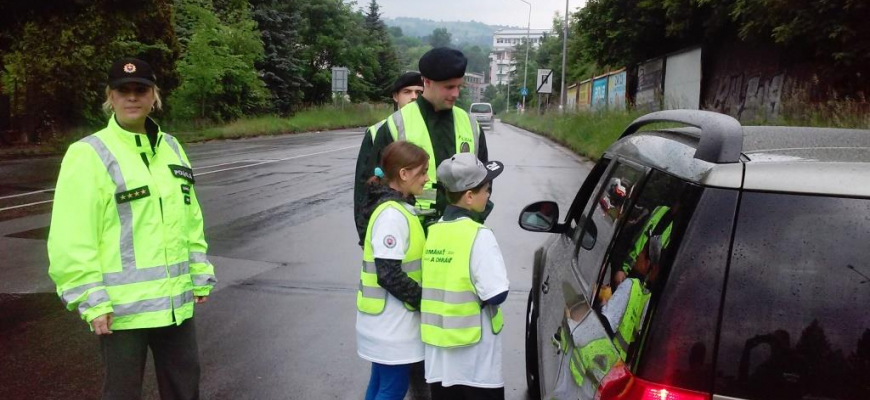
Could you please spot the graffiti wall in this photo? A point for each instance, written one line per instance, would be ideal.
(751, 82)
(748, 97)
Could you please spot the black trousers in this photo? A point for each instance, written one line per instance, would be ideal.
(176, 360)
(462, 392)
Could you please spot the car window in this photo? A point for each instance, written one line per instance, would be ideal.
(652, 223)
(641, 256)
(601, 216)
(481, 108)
(795, 321)
(677, 346)
(583, 200)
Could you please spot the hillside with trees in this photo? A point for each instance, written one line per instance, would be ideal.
(216, 60)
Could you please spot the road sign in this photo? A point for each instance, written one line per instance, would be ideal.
(339, 79)
(545, 81)
(524, 92)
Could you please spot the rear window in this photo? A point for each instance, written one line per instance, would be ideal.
(796, 323)
(481, 108)
(678, 347)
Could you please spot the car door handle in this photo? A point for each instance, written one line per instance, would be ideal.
(556, 341)
(545, 287)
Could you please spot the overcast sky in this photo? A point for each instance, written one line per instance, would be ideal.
(491, 12)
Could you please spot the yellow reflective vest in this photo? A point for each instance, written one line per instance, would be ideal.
(408, 124)
(450, 307)
(371, 298)
(629, 325)
(127, 232)
(372, 131)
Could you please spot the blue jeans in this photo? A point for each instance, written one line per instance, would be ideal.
(388, 382)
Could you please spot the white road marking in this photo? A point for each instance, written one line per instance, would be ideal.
(25, 205)
(201, 174)
(277, 160)
(27, 194)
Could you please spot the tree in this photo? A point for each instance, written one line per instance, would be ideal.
(439, 38)
(55, 55)
(219, 81)
(280, 69)
(519, 76)
(387, 59)
(478, 61)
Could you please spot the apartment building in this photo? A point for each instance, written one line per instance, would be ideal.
(502, 60)
(476, 85)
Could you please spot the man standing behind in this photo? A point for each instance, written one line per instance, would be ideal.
(433, 123)
(405, 90)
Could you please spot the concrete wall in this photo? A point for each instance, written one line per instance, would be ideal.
(683, 80)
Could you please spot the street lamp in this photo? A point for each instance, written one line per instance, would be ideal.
(528, 44)
(562, 95)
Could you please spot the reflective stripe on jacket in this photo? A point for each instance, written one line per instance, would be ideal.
(126, 230)
(450, 307)
(371, 298)
(372, 131)
(408, 124)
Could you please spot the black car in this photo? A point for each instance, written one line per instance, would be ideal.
(714, 261)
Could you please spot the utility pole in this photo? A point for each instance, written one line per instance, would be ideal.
(562, 95)
(528, 45)
(508, 108)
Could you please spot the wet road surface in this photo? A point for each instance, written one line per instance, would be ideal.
(278, 214)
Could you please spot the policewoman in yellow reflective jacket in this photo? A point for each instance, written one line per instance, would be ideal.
(388, 324)
(464, 282)
(126, 244)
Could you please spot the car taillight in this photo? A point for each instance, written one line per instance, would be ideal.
(620, 384)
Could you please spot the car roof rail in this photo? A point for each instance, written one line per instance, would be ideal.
(721, 137)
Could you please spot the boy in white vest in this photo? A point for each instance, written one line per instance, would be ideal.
(464, 281)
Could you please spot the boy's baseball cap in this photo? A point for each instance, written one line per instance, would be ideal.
(131, 70)
(464, 172)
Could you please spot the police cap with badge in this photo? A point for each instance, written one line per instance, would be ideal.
(128, 70)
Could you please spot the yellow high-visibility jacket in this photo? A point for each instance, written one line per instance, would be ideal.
(126, 230)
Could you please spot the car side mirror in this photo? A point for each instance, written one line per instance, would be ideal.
(590, 235)
(542, 216)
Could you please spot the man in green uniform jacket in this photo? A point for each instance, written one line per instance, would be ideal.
(433, 123)
(406, 89)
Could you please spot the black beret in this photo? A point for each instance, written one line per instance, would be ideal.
(407, 79)
(442, 63)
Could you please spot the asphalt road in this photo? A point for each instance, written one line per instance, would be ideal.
(278, 214)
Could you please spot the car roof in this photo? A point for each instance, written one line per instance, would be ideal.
(826, 161)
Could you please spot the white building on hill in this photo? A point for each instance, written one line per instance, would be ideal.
(502, 59)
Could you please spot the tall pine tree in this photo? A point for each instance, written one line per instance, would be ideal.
(388, 60)
(280, 69)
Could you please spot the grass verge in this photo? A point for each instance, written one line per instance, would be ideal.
(308, 120)
(590, 133)
(313, 119)
(587, 134)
